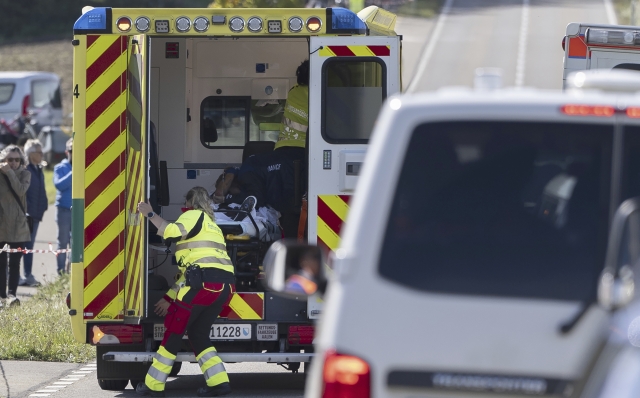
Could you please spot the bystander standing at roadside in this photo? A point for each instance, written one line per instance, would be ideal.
(62, 181)
(14, 229)
(37, 204)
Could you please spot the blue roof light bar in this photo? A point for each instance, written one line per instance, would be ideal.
(344, 21)
(97, 20)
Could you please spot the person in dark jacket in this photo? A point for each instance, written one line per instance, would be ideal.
(37, 204)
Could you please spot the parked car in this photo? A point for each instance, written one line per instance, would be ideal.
(35, 95)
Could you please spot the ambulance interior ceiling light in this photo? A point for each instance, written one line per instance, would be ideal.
(143, 24)
(254, 24)
(124, 24)
(236, 24)
(183, 24)
(619, 37)
(344, 21)
(201, 24)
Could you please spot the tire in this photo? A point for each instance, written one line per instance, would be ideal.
(113, 385)
(175, 369)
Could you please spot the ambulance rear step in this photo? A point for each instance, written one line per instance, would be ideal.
(273, 357)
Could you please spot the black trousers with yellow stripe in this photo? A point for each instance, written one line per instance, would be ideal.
(193, 314)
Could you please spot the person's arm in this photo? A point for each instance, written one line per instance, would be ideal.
(61, 178)
(18, 179)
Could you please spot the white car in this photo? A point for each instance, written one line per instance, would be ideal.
(492, 236)
(36, 94)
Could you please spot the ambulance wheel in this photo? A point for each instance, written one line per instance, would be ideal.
(113, 385)
(175, 369)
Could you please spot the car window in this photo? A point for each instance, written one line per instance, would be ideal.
(45, 92)
(501, 209)
(6, 92)
(352, 91)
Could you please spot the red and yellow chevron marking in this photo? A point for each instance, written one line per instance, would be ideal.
(134, 189)
(332, 213)
(104, 177)
(355, 51)
(244, 306)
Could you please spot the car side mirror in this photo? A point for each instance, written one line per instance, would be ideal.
(617, 282)
(294, 269)
(208, 131)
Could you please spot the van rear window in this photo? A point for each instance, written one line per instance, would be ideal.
(501, 209)
(45, 92)
(6, 92)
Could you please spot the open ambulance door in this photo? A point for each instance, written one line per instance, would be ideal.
(109, 179)
(137, 178)
(349, 79)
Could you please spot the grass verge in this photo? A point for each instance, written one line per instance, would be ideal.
(39, 329)
(420, 8)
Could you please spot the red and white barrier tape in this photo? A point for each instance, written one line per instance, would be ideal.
(7, 249)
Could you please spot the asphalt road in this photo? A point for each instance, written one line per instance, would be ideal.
(520, 36)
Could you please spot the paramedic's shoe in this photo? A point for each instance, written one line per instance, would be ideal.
(12, 301)
(215, 391)
(142, 389)
(247, 205)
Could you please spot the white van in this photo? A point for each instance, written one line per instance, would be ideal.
(477, 258)
(31, 93)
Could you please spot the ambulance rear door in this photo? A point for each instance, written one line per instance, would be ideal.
(350, 77)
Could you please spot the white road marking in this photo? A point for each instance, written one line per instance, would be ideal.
(522, 44)
(611, 12)
(39, 395)
(47, 391)
(63, 382)
(433, 40)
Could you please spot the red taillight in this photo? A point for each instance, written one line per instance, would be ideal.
(633, 112)
(25, 105)
(116, 334)
(564, 40)
(345, 376)
(300, 335)
(588, 110)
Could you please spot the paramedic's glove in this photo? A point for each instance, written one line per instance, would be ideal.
(161, 307)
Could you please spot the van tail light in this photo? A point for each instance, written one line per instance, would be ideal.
(564, 40)
(633, 112)
(345, 376)
(116, 334)
(68, 300)
(588, 110)
(25, 105)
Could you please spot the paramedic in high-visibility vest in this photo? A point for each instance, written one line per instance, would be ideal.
(196, 299)
(295, 121)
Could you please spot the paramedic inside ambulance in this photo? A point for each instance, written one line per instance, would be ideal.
(204, 287)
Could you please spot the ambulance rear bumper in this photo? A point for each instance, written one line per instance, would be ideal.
(270, 357)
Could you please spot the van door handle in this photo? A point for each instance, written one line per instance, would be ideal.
(353, 168)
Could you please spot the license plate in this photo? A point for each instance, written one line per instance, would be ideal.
(230, 331)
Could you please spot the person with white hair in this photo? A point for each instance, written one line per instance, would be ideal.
(37, 204)
(14, 228)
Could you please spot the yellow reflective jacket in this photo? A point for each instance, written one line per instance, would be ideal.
(198, 241)
(295, 121)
